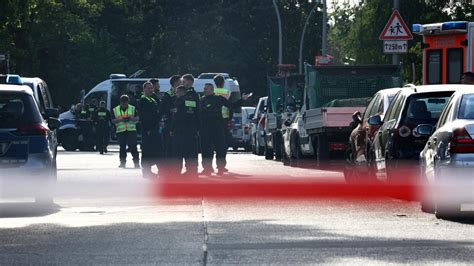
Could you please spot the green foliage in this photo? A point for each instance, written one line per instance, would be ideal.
(75, 44)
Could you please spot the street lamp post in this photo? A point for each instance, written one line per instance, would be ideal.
(325, 29)
(300, 62)
(280, 42)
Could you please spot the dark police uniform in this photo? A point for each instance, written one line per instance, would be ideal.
(102, 120)
(167, 152)
(184, 129)
(212, 132)
(149, 114)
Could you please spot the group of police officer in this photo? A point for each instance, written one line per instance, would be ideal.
(176, 126)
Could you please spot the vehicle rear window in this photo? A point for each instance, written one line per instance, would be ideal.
(466, 110)
(17, 109)
(425, 108)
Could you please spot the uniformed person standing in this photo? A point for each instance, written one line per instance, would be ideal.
(102, 119)
(125, 119)
(212, 130)
(185, 127)
(167, 107)
(149, 118)
(227, 111)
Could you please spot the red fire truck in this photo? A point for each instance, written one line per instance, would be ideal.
(448, 50)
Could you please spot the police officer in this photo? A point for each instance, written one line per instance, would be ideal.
(167, 107)
(102, 119)
(125, 118)
(212, 130)
(185, 126)
(149, 118)
(156, 88)
(227, 111)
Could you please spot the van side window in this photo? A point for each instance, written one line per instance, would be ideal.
(41, 103)
(44, 95)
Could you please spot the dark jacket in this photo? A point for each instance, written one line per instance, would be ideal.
(149, 113)
(211, 108)
(102, 118)
(167, 104)
(185, 116)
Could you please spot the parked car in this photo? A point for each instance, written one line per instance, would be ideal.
(246, 128)
(397, 146)
(447, 160)
(258, 127)
(363, 134)
(28, 146)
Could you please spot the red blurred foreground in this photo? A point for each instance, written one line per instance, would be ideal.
(278, 187)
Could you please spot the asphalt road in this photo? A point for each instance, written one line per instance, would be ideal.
(107, 215)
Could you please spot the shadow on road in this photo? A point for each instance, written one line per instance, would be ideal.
(20, 210)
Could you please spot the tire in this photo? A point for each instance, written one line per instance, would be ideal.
(258, 148)
(322, 151)
(446, 211)
(69, 140)
(278, 147)
(268, 152)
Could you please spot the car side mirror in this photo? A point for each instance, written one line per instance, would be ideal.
(53, 123)
(375, 120)
(424, 130)
(356, 118)
(51, 112)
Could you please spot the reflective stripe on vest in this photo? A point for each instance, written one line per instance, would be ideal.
(125, 126)
(222, 92)
(191, 104)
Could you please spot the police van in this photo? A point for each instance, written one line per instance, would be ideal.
(110, 91)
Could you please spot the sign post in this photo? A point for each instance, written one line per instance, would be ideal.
(395, 35)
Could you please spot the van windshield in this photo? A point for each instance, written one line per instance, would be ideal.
(131, 88)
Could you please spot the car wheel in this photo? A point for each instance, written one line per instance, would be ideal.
(259, 148)
(69, 141)
(268, 152)
(446, 211)
(278, 147)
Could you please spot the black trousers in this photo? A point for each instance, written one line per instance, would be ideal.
(151, 148)
(128, 138)
(102, 135)
(213, 139)
(185, 143)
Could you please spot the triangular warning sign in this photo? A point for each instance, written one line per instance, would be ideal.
(396, 29)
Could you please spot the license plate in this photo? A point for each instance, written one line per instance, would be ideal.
(467, 207)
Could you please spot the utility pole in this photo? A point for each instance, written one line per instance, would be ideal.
(280, 33)
(300, 62)
(396, 57)
(325, 29)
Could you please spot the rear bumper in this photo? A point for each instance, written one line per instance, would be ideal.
(454, 181)
(36, 165)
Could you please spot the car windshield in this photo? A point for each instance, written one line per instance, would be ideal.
(425, 108)
(466, 110)
(17, 109)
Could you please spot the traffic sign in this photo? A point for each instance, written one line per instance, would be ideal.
(396, 29)
(395, 47)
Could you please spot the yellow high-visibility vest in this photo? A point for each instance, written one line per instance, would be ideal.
(125, 126)
(226, 94)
